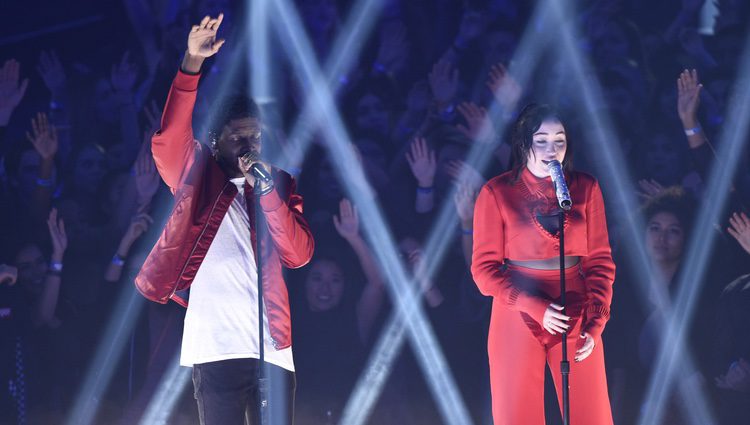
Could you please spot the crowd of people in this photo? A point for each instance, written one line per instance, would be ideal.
(83, 203)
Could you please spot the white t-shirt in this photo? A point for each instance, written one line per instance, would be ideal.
(222, 315)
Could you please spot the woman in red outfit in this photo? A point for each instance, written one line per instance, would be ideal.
(516, 260)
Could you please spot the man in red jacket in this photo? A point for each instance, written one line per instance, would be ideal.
(208, 245)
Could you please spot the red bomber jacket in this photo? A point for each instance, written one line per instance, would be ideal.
(203, 194)
(506, 227)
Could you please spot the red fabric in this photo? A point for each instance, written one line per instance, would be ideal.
(203, 195)
(505, 227)
(518, 349)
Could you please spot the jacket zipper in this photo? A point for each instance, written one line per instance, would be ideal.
(213, 208)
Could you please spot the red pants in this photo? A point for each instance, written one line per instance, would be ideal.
(518, 348)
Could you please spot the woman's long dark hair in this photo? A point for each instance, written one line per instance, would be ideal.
(528, 122)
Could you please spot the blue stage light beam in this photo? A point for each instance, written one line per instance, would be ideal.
(121, 324)
(350, 172)
(617, 179)
(173, 385)
(381, 359)
(733, 137)
(344, 55)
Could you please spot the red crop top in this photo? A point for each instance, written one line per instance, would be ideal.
(506, 226)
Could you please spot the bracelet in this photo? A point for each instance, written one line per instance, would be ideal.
(425, 190)
(54, 266)
(692, 131)
(45, 182)
(117, 260)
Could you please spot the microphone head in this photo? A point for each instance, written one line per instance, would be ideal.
(553, 164)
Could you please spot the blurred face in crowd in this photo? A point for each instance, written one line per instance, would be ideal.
(664, 237)
(90, 167)
(324, 285)
(32, 267)
(548, 143)
(238, 137)
(372, 115)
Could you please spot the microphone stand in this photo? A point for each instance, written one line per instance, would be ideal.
(564, 363)
(262, 378)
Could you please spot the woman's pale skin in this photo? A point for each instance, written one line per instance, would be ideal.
(549, 143)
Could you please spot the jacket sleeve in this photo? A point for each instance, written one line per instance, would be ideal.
(488, 256)
(173, 146)
(290, 233)
(598, 267)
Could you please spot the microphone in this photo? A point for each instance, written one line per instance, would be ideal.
(558, 181)
(257, 169)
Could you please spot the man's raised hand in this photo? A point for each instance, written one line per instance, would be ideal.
(202, 40)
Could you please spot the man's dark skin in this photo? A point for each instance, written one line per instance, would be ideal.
(239, 136)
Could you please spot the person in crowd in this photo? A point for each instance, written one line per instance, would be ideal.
(515, 260)
(334, 322)
(215, 214)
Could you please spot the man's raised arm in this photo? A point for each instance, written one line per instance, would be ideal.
(173, 145)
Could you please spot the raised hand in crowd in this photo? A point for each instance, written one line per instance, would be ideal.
(649, 189)
(739, 228)
(393, 50)
(505, 89)
(139, 224)
(145, 174)
(44, 314)
(444, 83)
(688, 100)
(371, 300)
(53, 74)
(464, 174)
(202, 43)
(8, 275)
(11, 91)
(43, 137)
(57, 235)
(423, 163)
(478, 127)
(347, 222)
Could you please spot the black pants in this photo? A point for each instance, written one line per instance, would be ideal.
(227, 393)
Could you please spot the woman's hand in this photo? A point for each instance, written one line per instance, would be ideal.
(478, 128)
(347, 222)
(422, 162)
(688, 97)
(586, 349)
(506, 89)
(739, 228)
(57, 235)
(554, 321)
(44, 136)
